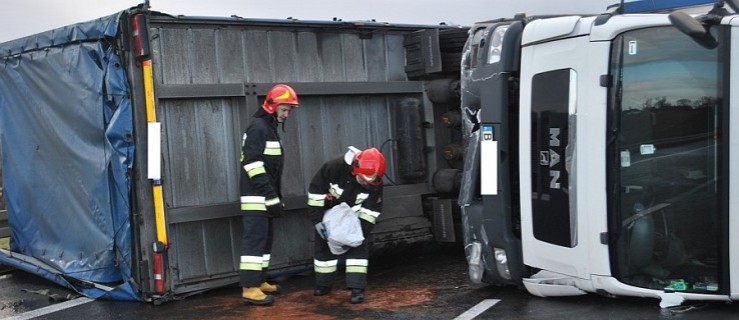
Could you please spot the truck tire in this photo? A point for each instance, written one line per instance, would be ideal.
(443, 90)
(447, 180)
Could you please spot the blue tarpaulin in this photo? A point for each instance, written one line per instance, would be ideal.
(66, 129)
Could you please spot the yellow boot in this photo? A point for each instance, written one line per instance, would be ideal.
(269, 288)
(255, 296)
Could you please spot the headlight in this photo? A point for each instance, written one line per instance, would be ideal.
(496, 42)
(501, 263)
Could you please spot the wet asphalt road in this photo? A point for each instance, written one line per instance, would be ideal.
(428, 283)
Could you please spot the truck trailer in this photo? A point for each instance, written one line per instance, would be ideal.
(121, 136)
(598, 152)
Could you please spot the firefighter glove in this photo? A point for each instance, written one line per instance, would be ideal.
(276, 210)
(366, 227)
(321, 229)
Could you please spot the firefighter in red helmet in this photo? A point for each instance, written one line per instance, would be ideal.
(354, 179)
(261, 172)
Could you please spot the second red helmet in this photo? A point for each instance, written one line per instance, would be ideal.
(369, 165)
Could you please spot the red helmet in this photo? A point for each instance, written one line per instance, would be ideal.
(277, 95)
(369, 165)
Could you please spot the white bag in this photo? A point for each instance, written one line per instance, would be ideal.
(343, 228)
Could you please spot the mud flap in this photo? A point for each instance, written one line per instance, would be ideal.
(443, 220)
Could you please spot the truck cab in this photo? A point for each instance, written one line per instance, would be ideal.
(597, 154)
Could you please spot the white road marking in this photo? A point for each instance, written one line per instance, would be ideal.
(51, 309)
(477, 309)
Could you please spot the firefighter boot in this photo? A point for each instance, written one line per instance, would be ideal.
(253, 295)
(321, 291)
(357, 296)
(269, 288)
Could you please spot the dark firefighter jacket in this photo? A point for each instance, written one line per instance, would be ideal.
(261, 164)
(334, 184)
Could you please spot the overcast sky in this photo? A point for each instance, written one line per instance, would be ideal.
(23, 18)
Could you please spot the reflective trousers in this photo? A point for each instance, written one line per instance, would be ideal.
(256, 248)
(326, 265)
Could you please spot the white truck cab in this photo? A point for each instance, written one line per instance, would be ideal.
(598, 154)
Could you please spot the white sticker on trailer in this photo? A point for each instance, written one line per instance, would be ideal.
(154, 157)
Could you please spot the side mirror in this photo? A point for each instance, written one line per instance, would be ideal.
(694, 29)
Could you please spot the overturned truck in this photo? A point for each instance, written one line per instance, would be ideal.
(599, 154)
(121, 141)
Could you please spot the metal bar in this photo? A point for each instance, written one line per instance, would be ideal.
(349, 88)
(390, 192)
(180, 91)
(200, 213)
(228, 210)
(224, 210)
(155, 185)
(289, 23)
(187, 91)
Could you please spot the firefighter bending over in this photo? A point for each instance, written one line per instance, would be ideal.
(354, 179)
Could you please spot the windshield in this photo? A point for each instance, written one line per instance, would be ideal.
(666, 166)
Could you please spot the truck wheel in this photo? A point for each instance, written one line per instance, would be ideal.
(447, 180)
(443, 90)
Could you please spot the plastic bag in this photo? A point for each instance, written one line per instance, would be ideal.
(343, 228)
